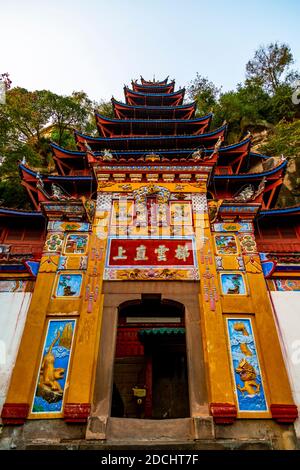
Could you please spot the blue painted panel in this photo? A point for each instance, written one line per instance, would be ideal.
(69, 285)
(233, 283)
(245, 366)
(50, 388)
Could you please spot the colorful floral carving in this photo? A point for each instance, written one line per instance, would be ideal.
(287, 284)
(248, 244)
(136, 274)
(54, 243)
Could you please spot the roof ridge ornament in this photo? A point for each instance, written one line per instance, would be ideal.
(217, 145)
(200, 155)
(249, 193)
(58, 193)
(249, 135)
(107, 156)
(152, 157)
(88, 147)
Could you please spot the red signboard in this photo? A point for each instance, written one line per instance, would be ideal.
(151, 252)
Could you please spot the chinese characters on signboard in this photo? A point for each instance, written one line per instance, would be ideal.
(153, 252)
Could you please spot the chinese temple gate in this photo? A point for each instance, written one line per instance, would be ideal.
(151, 262)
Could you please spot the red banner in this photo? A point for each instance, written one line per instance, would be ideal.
(151, 252)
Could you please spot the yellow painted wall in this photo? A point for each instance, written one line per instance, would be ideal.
(215, 307)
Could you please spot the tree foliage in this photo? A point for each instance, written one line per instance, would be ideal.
(260, 102)
(28, 122)
(247, 108)
(285, 139)
(205, 92)
(269, 64)
(105, 108)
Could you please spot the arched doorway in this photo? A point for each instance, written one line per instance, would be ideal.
(150, 377)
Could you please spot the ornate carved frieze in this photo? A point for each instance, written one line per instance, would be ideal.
(72, 210)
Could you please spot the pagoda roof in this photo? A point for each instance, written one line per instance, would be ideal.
(292, 210)
(226, 152)
(64, 153)
(224, 185)
(258, 175)
(158, 83)
(124, 110)
(146, 143)
(232, 159)
(157, 99)
(109, 127)
(271, 175)
(6, 211)
(153, 88)
(34, 174)
(68, 161)
(74, 185)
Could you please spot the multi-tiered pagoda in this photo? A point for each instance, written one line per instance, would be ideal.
(150, 262)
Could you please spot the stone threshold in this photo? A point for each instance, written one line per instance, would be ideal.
(205, 445)
(150, 430)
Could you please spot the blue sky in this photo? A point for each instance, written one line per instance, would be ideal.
(99, 45)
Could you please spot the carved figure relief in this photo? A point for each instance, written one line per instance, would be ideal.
(53, 370)
(246, 371)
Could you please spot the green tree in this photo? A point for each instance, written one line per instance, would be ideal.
(12, 149)
(28, 112)
(248, 108)
(282, 104)
(67, 112)
(28, 121)
(12, 193)
(269, 64)
(105, 108)
(205, 92)
(285, 139)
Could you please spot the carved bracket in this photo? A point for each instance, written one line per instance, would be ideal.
(77, 412)
(284, 413)
(223, 413)
(14, 413)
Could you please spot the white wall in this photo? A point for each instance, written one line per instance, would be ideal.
(287, 311)
(13, 311)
